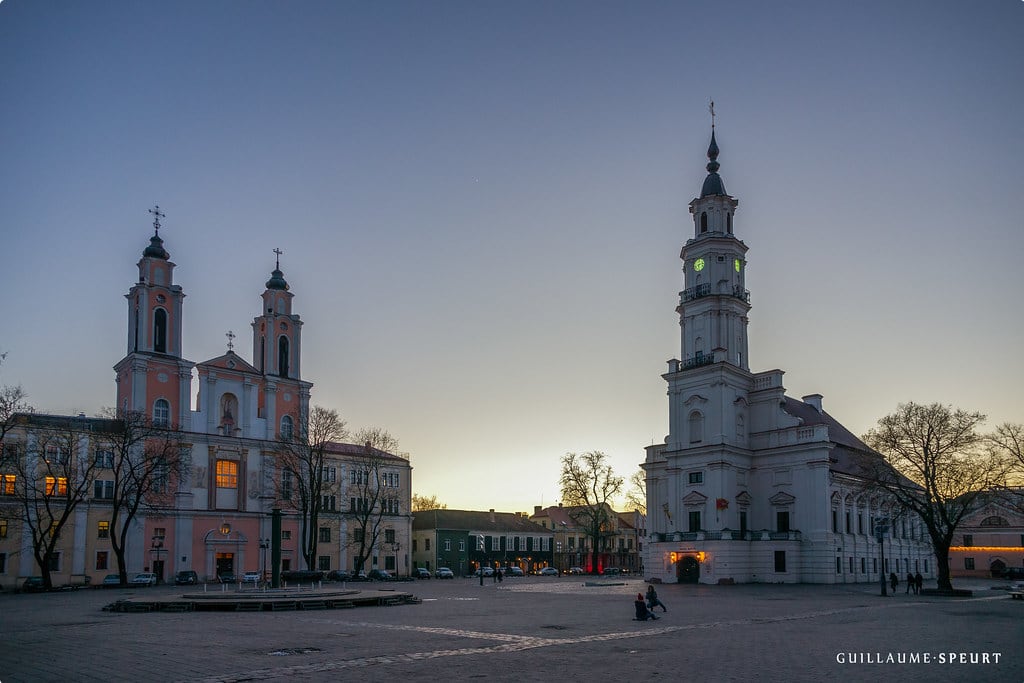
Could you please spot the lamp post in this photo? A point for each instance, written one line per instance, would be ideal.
(264, 547)
(395, 547)
(881, 528)
(157, 548)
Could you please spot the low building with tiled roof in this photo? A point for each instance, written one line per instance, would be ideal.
(463, 540)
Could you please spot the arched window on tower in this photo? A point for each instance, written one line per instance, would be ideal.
(728, 222)
(696, 427)
(162, 413)
(287, 427)
(282, 356)
(263, 354)
(703, 221)
(160, 331)
(136, 329)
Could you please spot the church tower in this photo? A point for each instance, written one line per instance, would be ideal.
(276, 352)
(707, 388)
(153, 378)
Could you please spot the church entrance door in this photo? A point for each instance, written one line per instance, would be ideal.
(688, 570)
(225, 563)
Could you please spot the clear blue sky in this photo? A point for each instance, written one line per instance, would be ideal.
(481, 205)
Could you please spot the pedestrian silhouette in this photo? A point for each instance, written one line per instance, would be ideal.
(642, 613)
(893, 581)
(653, 601)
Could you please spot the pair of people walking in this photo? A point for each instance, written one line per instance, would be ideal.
(915, 582)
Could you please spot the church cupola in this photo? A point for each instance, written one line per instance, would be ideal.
(713, 184)
(277, 280)
(277, 331)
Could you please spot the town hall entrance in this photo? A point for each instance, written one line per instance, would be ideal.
(688, 569)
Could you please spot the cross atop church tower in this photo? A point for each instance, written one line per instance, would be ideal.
(157, 215)
(277, 264)
(231, 340)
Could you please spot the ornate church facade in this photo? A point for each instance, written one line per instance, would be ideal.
(752, 485)
(217, 519)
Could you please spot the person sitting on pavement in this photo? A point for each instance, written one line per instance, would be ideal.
(642, 613)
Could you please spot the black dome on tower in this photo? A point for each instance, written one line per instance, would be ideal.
(713, 184)
(277, 280)
(156, 248)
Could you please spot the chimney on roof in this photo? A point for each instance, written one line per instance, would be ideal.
(492, 515)
(813, 400)
(537, 509)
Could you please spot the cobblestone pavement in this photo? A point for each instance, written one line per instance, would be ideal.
(533, 629)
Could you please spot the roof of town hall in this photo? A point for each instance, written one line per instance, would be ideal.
(473, 520)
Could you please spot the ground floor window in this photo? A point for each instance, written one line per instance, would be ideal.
(55, 562)
(323, 563)
(3, 563)
(839, 565)
(968, 563)
(863, 565)
(389, 562)
(780, 560)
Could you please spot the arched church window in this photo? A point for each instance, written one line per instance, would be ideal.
(994, 520)
(696, 427)
(136, 328)
(282, 356)
(703, 221)
(160, 330)
(287, 427)
(162, 413)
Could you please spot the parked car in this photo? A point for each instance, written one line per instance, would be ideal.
(488, 571)
(1013, 573)
(227, 577)
(380, 575)
(251, 577)
(186, 577)
(611, 571)
(421, 573)
(111, 580)
(576, 570)
(338, 575)
(33, 584)
(143, 579)
(549, 571)
(302, 575)
(515, 571)
(444, 573)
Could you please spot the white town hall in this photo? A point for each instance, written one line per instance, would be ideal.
(752, 485)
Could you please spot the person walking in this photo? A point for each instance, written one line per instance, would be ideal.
(893, 582)
(911, 584)
(919, 581)
(653, 601)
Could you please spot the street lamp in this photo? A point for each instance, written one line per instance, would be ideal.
(881, 529)
(157, 548)
(395, 547)
(264, 547)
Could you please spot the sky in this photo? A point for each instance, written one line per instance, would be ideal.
(481, 206)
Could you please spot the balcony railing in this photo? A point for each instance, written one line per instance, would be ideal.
(741, 293)
(696, 292)
(698, 361)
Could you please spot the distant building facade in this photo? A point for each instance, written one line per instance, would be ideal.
(465, 540)
(218, 517)
(621, 546)
(990, 540)
(752, 485)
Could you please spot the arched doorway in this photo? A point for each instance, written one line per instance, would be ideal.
(688, 569)
(997, 568)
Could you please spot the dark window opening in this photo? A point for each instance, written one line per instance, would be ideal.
(282, 357)
(704, 221)
(160, 331)
(780, 560)
(782, 520)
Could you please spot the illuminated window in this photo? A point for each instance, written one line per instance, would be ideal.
(161, 413)
(56, 486)
(53, 528)
(227, 474)
(3, 528)
(103, 531)
(7, 482)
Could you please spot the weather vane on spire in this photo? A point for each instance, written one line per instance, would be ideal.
(711, 108)
(157, 215)
(277, 251)
(231, 340)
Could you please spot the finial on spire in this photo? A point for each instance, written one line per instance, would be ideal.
(712, 110)
(277, 264)
(231, 340)
(157, 215)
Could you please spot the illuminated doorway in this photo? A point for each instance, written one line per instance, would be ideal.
(225, 563)
(688, 570)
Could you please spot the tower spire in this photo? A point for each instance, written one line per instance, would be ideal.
(713, 184)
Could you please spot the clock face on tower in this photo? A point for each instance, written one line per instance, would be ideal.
(698, 265)
(736, 264)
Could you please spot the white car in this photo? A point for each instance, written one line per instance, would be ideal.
(143, 579)
(549, 571)
(251, 577)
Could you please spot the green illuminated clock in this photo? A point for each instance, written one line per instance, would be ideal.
(698, 265)
(736, 265)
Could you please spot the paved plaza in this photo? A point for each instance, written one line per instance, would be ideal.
(532, 629)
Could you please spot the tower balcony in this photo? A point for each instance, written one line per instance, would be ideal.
(740, 293)
(697, 361)
(697, 292)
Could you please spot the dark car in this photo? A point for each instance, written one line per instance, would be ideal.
(1013, 573)
(611, 571)
(380, 575)
(33, 584)
(421, 573)
(338, 575)
(186, 578)
(227, 577)
(302, 575)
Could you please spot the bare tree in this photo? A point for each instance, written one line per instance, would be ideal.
(374, 493)
(932, 465)
(636, 494)
(588, 486)
(302, 458)
(146, 461)
(1007, 445)
(49, 476)
(431, 502)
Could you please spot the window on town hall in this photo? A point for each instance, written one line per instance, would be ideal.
(3, 563)
(323, 563)
(696, 427)
(56, 455)
(329, 503)
(358, 534)
(968, 539)
(782, 520)
(325, 534)
(55, 562)
(780, 560)
(694, 520)
(968, 563)
(389, 535)
(286, 535)
(286, 484)
(696, 477)
(3, 528)
(282, 356)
